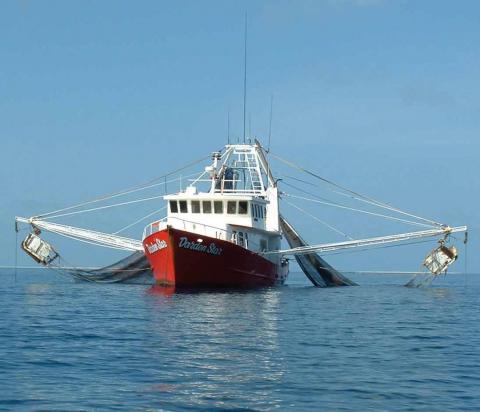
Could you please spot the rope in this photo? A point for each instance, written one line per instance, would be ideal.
(16, 251)
(106, 207)
(300, 180)
(319, 220)
(310, 193)
(358, 196)
(125, 191)
(328, 203)
(340, 205)
(465, 242)
(139, 220)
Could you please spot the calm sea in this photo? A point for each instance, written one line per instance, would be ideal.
(73, 346)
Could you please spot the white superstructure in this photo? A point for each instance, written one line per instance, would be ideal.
(239, 201)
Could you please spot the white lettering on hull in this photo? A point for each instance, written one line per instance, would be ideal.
(156, 246)
(211, 249)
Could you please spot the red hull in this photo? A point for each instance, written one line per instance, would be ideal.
(188, 260)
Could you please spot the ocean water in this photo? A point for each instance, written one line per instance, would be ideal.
(67, 346)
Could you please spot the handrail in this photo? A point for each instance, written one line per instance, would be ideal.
(202, 224)
(227, 233)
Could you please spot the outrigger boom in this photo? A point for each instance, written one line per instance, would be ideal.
(330, 247)
(86, 235)
(124, 243)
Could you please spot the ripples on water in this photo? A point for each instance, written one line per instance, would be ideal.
(72, 346)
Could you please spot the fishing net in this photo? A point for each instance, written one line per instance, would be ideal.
(132, 269)
(320, 273)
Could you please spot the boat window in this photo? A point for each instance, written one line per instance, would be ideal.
(246, 240)
(263, 245)
(173, 206)
(254, 210)
(195, 206)
(242, 208)
(183, 206)
(207, 206)
(240, 239)
(261, 211)
(265, 212)
(218, 206)
(231, 207)
(234, 236)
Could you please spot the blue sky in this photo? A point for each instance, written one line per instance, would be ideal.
(381, 96)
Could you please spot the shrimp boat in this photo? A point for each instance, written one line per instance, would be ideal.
(221, 237)
(225, 230)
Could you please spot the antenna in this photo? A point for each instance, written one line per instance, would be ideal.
(270, 126)
(250, 125)
(245, 81)
(228, 126)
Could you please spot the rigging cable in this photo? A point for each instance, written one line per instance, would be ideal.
(114, 204)
(16, 250)
(139, 220)
(105, 207)
(132, 189)
(340, 206)
(465, 242)
(356, 194)
(319, 220)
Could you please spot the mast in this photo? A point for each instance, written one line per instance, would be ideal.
(245, 81)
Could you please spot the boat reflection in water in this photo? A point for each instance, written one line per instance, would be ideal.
(216, 347)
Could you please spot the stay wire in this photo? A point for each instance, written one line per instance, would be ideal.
(358, 195)
(465, 242)
(139, 220)
(16, 251)
(106, 207)
(340, 206)
(126, 191)
(319, 220)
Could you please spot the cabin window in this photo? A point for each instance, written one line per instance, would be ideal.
(183, 206)
(263, 245)
(218, 206)
(261, 212)
(234, 236)
(173, 206)
(207, 206)
(242, 208)
(195, 206)
(231, 207)
(264, 212)
(240, 239)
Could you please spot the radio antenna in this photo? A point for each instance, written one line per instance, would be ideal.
(270, 125)
(228, 126)
(245, 80)
(250, 125)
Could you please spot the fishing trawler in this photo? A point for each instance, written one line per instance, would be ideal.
(221, 237)
(225, 229)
